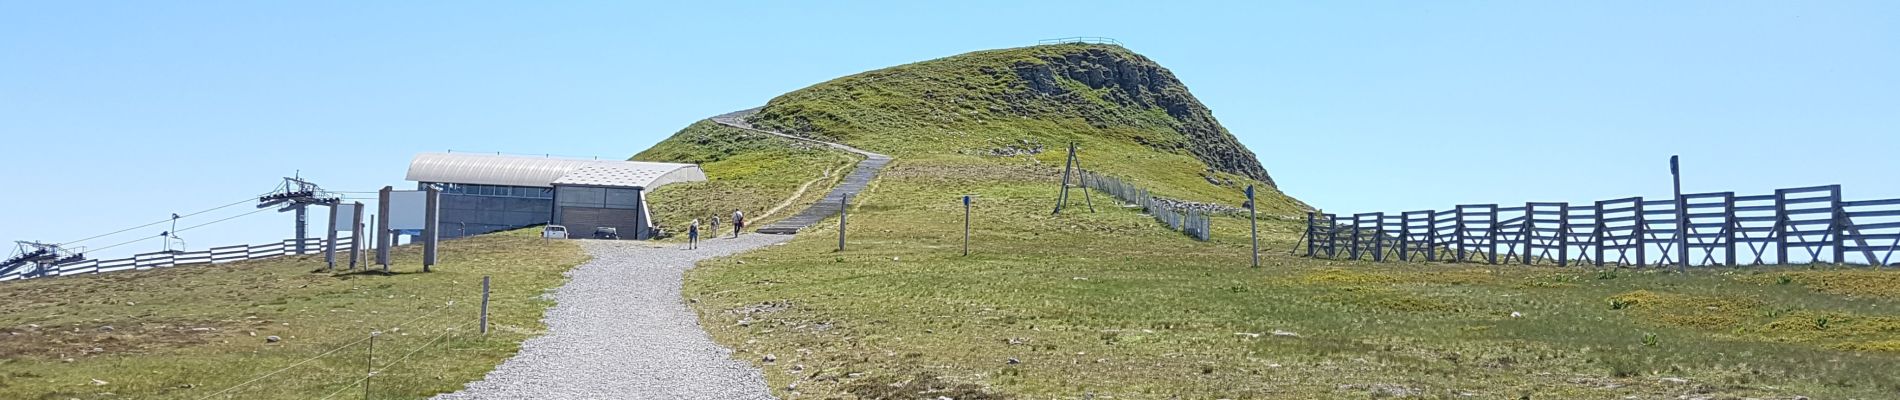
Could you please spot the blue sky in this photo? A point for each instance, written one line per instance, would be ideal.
(120, 113)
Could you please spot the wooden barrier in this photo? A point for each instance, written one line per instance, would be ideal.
(1791, 226)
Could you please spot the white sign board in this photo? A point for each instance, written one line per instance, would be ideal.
(408, 210)
(343, 217)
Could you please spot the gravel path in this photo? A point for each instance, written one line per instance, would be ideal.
(620, 331)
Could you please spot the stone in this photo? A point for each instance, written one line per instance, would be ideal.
(770, 358)
(1014, 361)
(272, 339)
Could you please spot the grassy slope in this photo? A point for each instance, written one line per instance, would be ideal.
(745, 170)
(951, 109)
(190, 331)
(1107, 303)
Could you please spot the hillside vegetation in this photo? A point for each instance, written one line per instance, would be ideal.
(745, 170)
(1111, 304)
(194, 331)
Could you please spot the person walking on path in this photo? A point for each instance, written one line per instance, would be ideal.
(713, 227)
(692, 235)
(738, 222)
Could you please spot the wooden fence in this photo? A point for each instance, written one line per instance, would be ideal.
(215, 255)
(1191, 222)
(1791, 226)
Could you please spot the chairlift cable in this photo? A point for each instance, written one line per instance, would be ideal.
(161, 221)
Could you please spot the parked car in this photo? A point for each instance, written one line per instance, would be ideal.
(554, 232)
(606, 232)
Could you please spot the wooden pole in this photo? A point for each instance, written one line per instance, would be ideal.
(1067, 164)
(329, 241)
(844, 205)
(1253, 224)
(1682, 217)
(431, 226)
(966, 225)
(383, 239)
(484, 320)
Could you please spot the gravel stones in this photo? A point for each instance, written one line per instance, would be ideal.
(619, 330)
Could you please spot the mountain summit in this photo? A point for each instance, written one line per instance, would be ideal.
(940, 105)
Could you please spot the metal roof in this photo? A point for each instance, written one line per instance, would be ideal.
(492, 169)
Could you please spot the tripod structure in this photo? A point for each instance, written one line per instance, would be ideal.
(1073, 164)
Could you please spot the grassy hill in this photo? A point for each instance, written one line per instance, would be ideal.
(1112, 304)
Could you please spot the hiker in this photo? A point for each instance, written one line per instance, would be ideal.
(738, 222)
(692, 235)
(713, 227)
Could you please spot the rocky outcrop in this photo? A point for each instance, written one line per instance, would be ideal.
(1132, 81)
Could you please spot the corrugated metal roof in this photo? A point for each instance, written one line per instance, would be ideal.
(491, 169)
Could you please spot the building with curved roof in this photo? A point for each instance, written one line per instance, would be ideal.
(484, 193)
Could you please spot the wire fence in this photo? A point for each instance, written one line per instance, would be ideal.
(168, 259)
(1791, 226)
(441, 325)
(1194, 223)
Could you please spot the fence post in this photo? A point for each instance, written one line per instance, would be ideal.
(1352, 245)
(1563, 234)
(369, 365)
(1837, 228)
(1492, 233)
(1459, 233)
(1378, 237)
(1527, 232)
(484, 320)
(1729, 225)
(1596, 234)
(1639, 233)
(1781, 226)
(1332, 236)
(1310, 235)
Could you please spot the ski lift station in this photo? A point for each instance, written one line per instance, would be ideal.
(484, 193)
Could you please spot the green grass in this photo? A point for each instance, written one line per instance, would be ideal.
(745, 170)
(1110, 304)
(191, 331)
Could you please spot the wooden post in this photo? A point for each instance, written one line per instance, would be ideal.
(966, 224)
(1781, 226)
(1310, 235)
(384, 240)
(484, 321)
(1405, 236)
(1459, 234)
(356, 234)
(1563, 234)
(1837, 228)
(1597, 235)
(431, 226)
(1639, 232)
(1527, 232)
(1682, 218)
(329, 241)
(1378, 237)
(1492, 243)
(1352, 249)
(1729, 226)
(1253, 224)
(369, 365)
(1431, 235)
(1332, 236)
(844, 206)
(1062, 198)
